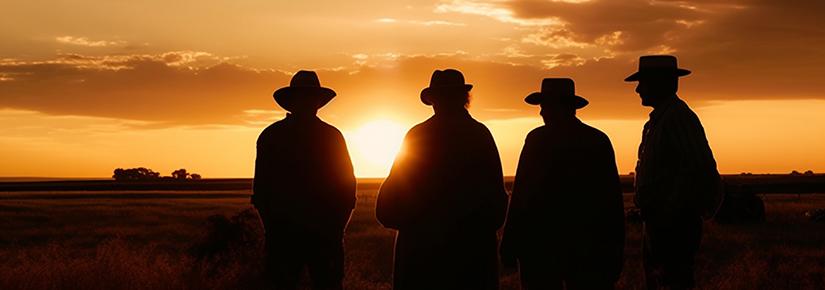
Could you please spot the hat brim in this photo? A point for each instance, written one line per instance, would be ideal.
(538, 98)
(287, 97)
(428, 91)
(679, 72)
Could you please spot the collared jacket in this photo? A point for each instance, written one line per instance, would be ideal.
(445, 196)
(676, 173)
(566, 209)
(303, 177)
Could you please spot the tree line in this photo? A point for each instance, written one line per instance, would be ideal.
(143, 173)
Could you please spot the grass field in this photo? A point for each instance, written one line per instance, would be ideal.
(103, 240)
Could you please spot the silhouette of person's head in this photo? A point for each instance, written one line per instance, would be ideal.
(558, 100)
(304, 95)
(658, 79)
(447, 91)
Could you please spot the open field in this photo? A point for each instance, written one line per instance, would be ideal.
(757, 183)
(104, 241)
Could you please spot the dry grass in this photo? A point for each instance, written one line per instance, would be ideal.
(144, 244)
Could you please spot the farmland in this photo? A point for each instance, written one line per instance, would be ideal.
(143, 239)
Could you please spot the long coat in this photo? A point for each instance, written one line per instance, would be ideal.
(303, 178)
(445, 196)
(676, 173)
(567, 208)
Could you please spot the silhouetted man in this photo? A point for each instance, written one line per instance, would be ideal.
(565, 225)
(304, 188)
(445, 196)
(676, 179)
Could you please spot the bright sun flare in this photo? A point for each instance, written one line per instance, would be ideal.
(373, 147)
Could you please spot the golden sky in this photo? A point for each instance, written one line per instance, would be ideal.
(88, 86)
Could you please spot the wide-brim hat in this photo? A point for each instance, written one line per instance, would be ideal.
(304, 84)
(447, 81)
(657, 65)
(557, 91)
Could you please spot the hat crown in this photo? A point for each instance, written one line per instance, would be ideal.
(447, 78)
(555, 92)
(558, 87)
(304, 79)
(657, 62)
(657, 66)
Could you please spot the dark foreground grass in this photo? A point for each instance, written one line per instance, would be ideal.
(101, 243)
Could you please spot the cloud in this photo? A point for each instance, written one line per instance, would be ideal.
(199, 88)
(437, 23)
(640, 23)
(83, 41)
(184, 87)
(386, 20)
(419, 22)
(563, 60)
(492, 9)
(738, 49)
(191, 88)
(555, 38)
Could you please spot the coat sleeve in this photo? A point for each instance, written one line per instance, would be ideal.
(527, 177)
(615, 203)
(392, 208)
(262, 183)
(696, 182)
(346, 183)
(494, 195)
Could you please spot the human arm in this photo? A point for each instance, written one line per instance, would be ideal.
(390, 209)
(527, 176)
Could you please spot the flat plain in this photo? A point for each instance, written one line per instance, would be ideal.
(135, 240)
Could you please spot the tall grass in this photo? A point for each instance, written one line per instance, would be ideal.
(217, 244)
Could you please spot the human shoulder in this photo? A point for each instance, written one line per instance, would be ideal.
(328, 128)
(271, 131)
(594, 132)
(537, 133)
(421, 127)
(480, 127)
(681, 115)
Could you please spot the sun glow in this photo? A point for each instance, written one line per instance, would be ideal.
(373, 147)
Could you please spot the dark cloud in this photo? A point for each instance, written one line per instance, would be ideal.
(752, 50)
(161, 89)
(745, 49)
(642, 24)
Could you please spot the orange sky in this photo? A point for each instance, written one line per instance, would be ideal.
(88, 86)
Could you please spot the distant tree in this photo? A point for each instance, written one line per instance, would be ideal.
(809, 173)
(795, 173)
(632, 173)
(140, 173)
(180, 174)
(118, 174)
(195, 176)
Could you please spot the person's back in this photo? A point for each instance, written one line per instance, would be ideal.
(445, 196)
(581, 193)
(304, 189)
(303, 174)
(565, 225)
(448, 177)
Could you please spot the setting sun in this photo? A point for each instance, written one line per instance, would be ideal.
(373, 147)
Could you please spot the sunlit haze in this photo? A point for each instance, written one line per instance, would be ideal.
(373, 147)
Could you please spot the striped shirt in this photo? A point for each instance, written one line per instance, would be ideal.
(676, 173)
